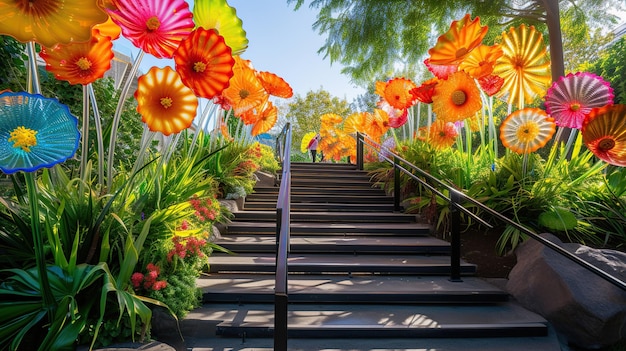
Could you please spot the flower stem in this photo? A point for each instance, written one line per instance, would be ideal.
(40, 259)
(99, 137)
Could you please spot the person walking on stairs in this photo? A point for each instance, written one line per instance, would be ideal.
(313, 146)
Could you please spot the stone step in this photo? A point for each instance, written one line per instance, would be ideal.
(326, 229)
(325, 216)
(310, 207)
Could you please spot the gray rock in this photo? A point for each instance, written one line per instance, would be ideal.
(586, 309)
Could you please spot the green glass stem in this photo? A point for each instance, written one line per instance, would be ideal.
(40, 258)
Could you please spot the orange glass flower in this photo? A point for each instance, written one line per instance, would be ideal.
(442, 134)
(398, 93)
(397, 117)
(50, 22)
(166, 104)
(355, 122)
(245, 91)
(456, 98)
(204, 62)
(329, 120)
(217, 14)
(453, 46)
(80, 63)
(480, 62)
(526, 130)
(266, 120)
(275, 85)
(524, 66)
(155, 26)
(109, 29)
(604, 133)
(376, 124)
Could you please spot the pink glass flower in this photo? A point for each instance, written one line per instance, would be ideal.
(397, 117)
(155, 26)
(572, 97)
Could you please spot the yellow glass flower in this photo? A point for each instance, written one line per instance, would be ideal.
(480, 62)
(80, 63)
(453, 46)
(526, 130)
(50, 22)
(217, 14)
(442, 134)
(166, 104)
(524, 66)
(355, 122)
(376, 124)
(604, 133)
(456, 98)
(330, 120)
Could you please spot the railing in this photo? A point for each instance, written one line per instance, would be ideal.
(455, 199)
(283, 214)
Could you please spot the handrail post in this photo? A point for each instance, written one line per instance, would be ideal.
(455, 237)
(396, 185)
(359, 151)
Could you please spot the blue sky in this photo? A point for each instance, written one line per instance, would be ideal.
(283, 42)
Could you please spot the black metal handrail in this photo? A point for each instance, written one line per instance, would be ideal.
(283, 232)
(454, 200)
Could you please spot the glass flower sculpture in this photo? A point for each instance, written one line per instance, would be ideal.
(50, 22)
(306, 139)
(442, 134)
(526, 130)
(524, 65)
(266, 119)
(480, 62)
(604, 133)
(217, 14)
(453, 46)
(80, 63)
(204, 62)
(275, 85)
(35, 132)
(572, 97)
(456, 98)
(166, 104)
(155, 26)
(397, 93)
(245, 91)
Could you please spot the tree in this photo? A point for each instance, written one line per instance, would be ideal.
(304, 112)
(612, 67)
(369, 37)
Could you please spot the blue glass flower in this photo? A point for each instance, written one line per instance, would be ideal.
(35, 132)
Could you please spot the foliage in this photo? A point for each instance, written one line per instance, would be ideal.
(612, 67)
(268, 161)
(305, 112)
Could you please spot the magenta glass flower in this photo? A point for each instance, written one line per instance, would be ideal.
(572, 97)
(155, 26)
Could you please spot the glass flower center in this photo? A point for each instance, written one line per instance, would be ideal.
(527, 132)
(166, 102)
(243, 93)
(24, 138)
(153, 23)
(199, 67)
(83, 63)
(606, 144)
(574, 106)
(458, 97)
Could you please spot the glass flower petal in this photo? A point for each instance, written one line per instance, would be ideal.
(491, 84)
(329, 120)
(219, 15)
(355, 122)
(109, 29)
(524, 66)
(275, 85)
(245, 91)
(442, 134)
(155, 26)
(572, 97)
(456, 98)
(440, 71)
(424, 92)
(204, 62)
(397, 117)
(80, 63)
(166, 104)
(454, 45)
(604, 133)
(266, 120)
(35, 132)
(526, 130)
(50, 22)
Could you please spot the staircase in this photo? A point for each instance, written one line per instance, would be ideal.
(357, 271)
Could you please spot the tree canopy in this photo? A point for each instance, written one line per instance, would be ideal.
(375, 39)
(304, 112)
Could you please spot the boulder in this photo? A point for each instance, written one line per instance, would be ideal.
(585, 309)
